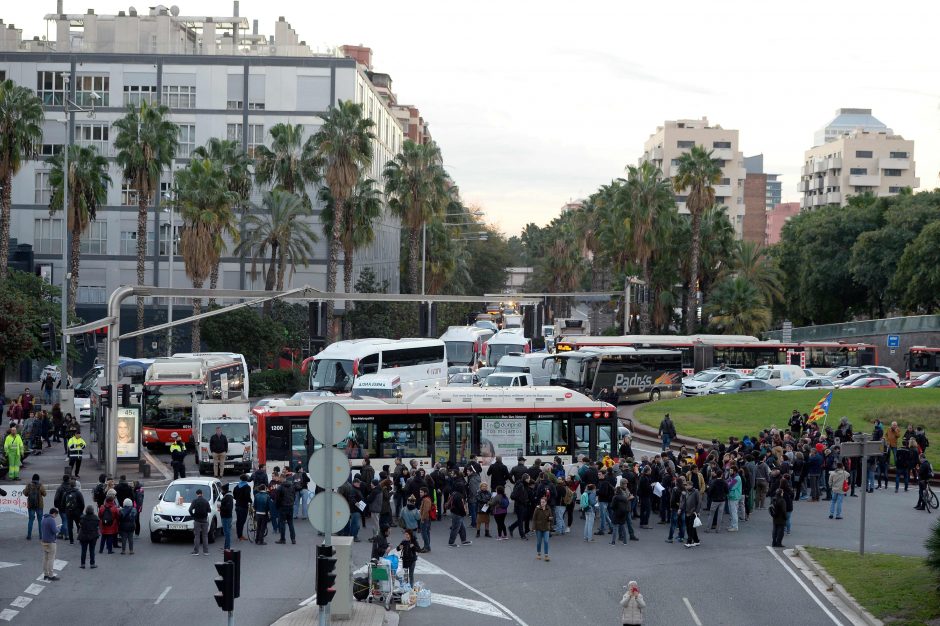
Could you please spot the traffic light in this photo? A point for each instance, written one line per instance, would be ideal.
(235, 556)
(48, 336)
(226, 585)
(107, 397)
(125, 395)
(326, 574)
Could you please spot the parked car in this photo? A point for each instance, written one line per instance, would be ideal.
(881, 370)
(706, 380)
(809, 382)
(778, 375)
(170, 517)
(838, 373)
(920, 380)
(933, 383)
(872, 382)
(848, 380)
(483, 372)
(742, 385)
(458, 369)
(513, 379)
(463, 379)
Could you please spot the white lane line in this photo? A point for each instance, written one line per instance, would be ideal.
(8, 614)
(483, 608)
(812, 595)
(695, 618)
(59, 565)
(162, 595)
(21, 602)
(34, 589)
(4, 564)
(485, 597)
(309, 600)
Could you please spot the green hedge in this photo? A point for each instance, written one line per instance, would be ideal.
(268, 382)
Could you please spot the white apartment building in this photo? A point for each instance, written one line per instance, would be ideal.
(674, 138)
(856, 162)
(220, 78)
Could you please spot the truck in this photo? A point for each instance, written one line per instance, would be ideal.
(570, 327)
(235, 419)
(512, 320)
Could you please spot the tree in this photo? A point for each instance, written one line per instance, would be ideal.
(259, 339)
(17, 339)
(737, 307)
(363, 207)
(146, 142)
(205, 204)
(21, 118)
(343, 148)
(369, 318)
(290, 163)
(697, 174)
(417, 188)
(918, 275)
(88, 184)
(751, 261)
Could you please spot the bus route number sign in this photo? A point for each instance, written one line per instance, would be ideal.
(561, 449)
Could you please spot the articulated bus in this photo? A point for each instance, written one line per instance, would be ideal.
(921, 360)
(620, 374)
(448, 424)
(173, 385)
(465, 344)
(822, 356)
(420, 362)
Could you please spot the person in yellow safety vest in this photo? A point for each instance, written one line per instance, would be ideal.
(76, 447)
(178, 457)
(13, 448)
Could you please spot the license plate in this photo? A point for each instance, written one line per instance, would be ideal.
(178, 527)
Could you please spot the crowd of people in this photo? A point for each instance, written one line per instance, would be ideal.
(30, 426)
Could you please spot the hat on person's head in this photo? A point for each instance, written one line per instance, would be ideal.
(127, 502)
(521, 458)
(111, 493)
(36, 477)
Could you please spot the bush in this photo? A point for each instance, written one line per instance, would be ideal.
(933, 549)
(269, 382)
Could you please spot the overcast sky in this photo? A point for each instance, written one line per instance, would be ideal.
(536, 103)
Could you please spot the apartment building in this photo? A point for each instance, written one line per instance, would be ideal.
(674, 138)
(220, 78)
(847, 120)
(779, 215)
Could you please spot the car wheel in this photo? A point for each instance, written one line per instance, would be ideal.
(654, 396)
(155, 537)
(212, 531)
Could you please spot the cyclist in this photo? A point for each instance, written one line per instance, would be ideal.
(924, 474)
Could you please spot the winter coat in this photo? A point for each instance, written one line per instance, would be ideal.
(633, 606)
(88, 529)
(837, 481)
(542, 519)
(128, 519)
(112, 528)
(619, 509)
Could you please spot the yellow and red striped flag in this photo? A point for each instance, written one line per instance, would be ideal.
(821, 409)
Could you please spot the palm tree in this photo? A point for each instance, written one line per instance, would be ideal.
(417, 190)
(649, 196)
(750, 260)
(737, 307)
(363, 207)
(343, 149)
(205, 204)
(146, 142)
(697, 174)
(21, 118)
(280, 232)
(88, 189)
(290, 163)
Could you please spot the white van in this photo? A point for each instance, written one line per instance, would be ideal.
(778, 375)
(537, 364)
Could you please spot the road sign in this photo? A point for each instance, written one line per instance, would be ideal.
(329, 423)
(894, 341)
(329, 467)
(328, 513)
(787, 331)
(851, 449)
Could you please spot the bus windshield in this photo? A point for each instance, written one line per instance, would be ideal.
(459, 352)
(332, 374)
(498, 351)
(567, 371)
(168, 405)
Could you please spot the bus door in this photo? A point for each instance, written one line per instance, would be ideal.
(451, 439)
(594, 438)
(302, 444)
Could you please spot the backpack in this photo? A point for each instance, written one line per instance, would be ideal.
(98, 493)
(107, 517)
(70, 501)
(585, 501)
(32, 500)
(568, 497)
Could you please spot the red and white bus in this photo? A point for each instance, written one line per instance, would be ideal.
(822, 356)
(448, 424)
(921, 360)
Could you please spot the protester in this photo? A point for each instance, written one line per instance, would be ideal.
(126, 525)
(88, 531)
(633, 605)
(47, 536)
(542, 520)
(35, 493)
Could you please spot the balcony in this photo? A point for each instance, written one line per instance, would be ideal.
(723, 191)
(834, 163)
(894, 164)
(819, 166)
(831, 181)
(673, 171)
(819, 200)
(725, 154)
(656, 154)
(802, 186)
(865, 180)
(806, 202)
(818, 183)
(834, 197)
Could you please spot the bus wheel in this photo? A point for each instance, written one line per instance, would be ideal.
(654, 395)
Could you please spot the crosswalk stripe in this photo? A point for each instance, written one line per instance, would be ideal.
(8, 614)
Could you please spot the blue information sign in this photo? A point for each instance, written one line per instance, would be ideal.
(894, 341)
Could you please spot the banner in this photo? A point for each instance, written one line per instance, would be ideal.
(503, 437)
(128, 433)
(14, 501)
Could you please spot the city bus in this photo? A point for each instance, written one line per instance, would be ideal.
(242, 379)
(172, 386)
(448, 424)
(422, 362)
(88, 390)
(465, 344)
(822, 356)
(620, 374)
(921, 360)
(506, 341)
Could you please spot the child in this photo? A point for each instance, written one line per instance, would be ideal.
(483, 515)
(409, 555)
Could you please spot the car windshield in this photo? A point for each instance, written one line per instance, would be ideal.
(498, 351)
(731, 384)
(763, 374)
(234, 433)
(186, 490)
(461, 378)
(483, 372)
(705, 377)
(332, 374)
(460, 352)
(168, 405)
(803, 382)
(861, 382)
(836, 371)
(512, 369)
(498, 380)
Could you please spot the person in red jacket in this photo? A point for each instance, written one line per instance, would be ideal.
(108, 514)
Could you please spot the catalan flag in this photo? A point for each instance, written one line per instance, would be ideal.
(821, 409)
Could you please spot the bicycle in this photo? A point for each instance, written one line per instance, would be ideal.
(252, 525)
(929, 498)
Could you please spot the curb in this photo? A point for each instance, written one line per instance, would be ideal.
(158, 464)
(363, 613)
(837, 589)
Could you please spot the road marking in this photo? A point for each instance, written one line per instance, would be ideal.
(309, 600)
(485, 597)
(812, 595)
(483, 608)
(695, 618)
(163, 595)
(21, 602)
(34, 589)
(4, 564)
(59, 565)
(8, 614)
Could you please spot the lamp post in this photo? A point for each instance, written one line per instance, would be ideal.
(171, 243)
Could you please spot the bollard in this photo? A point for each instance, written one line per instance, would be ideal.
(144, 469)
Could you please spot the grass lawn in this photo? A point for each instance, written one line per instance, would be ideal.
(736, 415)
(899, 590)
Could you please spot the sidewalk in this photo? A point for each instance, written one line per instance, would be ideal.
(363, 614)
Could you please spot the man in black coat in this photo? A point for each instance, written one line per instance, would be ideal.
(517, 473)
(498, 474)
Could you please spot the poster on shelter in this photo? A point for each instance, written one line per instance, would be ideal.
(503, 437)
(128, 433)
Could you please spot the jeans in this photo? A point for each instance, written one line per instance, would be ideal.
(541, 538)
(870, 478)
(287, 521)
(241, 515)
(64, 516)
(127, 537)
(778, 536)
(813, 480)
(717, 515)
(89, 548)
(106, 540)
(227, 531)
(201, 536)
(275, 519)
(733, 509)
(893, 452)
(666, 441)
(605, 518)
(645, 505)
(762, 486)
(522, 521)
(473, 513)
(29, 528)
(426, 533)
(261, 523)
(630, 524)
(457, 527)
(560, 519)
(835, 507)
(897, 478)
(788, 525)
(677, 522)
(351, 528)
(302, 503)
(589, 524)
(620, 530)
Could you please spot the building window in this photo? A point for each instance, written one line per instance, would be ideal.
(255, 106)
(179, 97)
(899, 155)
(91, 294)
(129, 242)
(187, 140)
(50, 149)
(43, 188)
(135, 94)
(255, 137)
(95, 239)
(3, 75)
(235, 105)
(128, 195)
(892, 172)
(87, 85)
(858, 171)
(685, 144)
(725, 181)
(94, 136)
(50, 87)
(681, 199)
(165, 237)
(894, 189)
(863, 154)
(47, 235)
(721, 144)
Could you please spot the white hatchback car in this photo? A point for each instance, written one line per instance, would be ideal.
(171, 516)
(810, 382)
(880, 370)
(705, 381)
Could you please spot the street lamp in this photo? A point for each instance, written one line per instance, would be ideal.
(69, 107)
(171, 239)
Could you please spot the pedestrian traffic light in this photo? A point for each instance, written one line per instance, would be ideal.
(326, 574)
(235, 556)
(48, 336)
(107, 398)
(125, 395)
(226, 585)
